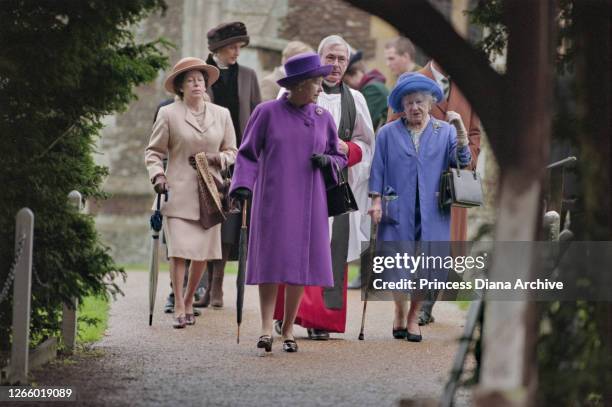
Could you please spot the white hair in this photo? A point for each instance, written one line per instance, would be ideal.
(334, 40)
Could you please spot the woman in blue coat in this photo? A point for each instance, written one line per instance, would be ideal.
(409, 158)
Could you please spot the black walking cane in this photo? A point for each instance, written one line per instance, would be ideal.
(242, 255)
(368, 270)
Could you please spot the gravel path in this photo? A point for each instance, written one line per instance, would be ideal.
(138, 365)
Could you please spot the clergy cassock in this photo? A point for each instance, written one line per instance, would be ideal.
(289, 232)
(325, 308)
(414, 175)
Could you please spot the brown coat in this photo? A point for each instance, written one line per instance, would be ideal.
(268, 85)
(458, 103)
(177, 135)
(249, 95)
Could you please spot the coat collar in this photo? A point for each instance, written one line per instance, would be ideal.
(190, 118)
(305, 112)
(406, 139)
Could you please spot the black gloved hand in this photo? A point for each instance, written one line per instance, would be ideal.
(320, 160)
(241, 194)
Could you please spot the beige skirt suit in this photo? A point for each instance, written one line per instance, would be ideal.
(178, 134)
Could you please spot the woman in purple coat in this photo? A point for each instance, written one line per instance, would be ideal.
(287, 145)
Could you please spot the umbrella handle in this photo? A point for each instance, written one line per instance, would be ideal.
(244, 213)
(159, 199)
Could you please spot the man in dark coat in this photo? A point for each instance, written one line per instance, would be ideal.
(372, 85)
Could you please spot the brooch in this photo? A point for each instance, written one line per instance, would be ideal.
(319, 111)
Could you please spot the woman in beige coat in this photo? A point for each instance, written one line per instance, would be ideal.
(184, 128)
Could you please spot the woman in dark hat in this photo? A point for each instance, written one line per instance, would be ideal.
(410, 156)
(182, 129)
(237, 90)
(288, 144)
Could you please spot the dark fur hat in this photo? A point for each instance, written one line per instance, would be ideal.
(226, 34)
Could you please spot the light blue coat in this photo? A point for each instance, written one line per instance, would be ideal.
(398, 166)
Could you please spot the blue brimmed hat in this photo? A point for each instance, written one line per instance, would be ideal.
(412, 82)
(303, 66)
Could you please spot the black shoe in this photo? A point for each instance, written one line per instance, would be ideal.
(200, 300)
(355, 284)
(317, 334)
(425, 318)
(278, 326)
(265, 342)
(401, 333)
(414, 337)
(290, 346)
(169, 307)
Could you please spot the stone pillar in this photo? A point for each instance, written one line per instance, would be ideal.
(199, 16)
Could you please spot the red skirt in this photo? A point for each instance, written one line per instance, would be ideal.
(312, 312)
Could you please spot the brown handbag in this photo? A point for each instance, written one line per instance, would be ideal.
(211, 208)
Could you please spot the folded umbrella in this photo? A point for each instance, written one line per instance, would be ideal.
(242, 256)
(156, 226)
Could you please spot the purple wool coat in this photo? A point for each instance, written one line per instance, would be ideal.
(289, 230)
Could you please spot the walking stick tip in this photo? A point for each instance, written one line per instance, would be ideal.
(150, 319)
(238, 335)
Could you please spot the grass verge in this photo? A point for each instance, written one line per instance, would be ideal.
(92, 319)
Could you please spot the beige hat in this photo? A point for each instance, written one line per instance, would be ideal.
(189, 64)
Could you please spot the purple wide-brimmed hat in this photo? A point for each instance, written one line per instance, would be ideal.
(303, 66)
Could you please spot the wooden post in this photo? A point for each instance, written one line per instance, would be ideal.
(22, 290)
(69, 314)
(69, 325)
(509, 371)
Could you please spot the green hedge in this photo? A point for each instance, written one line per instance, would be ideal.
(64, 65)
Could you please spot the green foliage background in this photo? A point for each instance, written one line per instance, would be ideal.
(63, 66)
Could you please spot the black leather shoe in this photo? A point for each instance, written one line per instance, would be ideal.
(278, 326)
(414, 337)
(355, 284)
(265, 342)
(425, 318)
(201, 300)
(290, 346)
(318, 334)
(401, 333)
(169, 307)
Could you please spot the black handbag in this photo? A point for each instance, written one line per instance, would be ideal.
(340, 198)
(461, 188)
